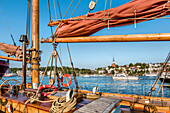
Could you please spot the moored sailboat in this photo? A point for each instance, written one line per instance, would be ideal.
(4, 65)
(165, 78)
(123, 76)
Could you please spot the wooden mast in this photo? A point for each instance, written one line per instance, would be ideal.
(112, 38)
(35, 43)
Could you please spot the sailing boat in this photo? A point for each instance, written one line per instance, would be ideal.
(77, 101)
(150, 71)
(4, 65)
(165, 78)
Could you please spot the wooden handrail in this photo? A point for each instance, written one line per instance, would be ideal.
(112, 38)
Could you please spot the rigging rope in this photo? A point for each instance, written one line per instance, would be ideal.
(62, 68)
(96, 1)
(62, 72)
(161, 84)
(56, 72)
(110, 4)
(55, 9)
(54, 39)
(8, 26)
(51, 66)
(159, 75)
(45, 70)
(50, 16)
(68, 9)
(60, 51)
(74, 74)
(75, 8)
(105, 8)
(28, 20)
(59, 9)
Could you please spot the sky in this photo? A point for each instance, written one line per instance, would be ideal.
(85, 55)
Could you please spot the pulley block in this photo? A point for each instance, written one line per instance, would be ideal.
(92, 5)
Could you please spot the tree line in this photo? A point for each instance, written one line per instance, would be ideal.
(66, 69)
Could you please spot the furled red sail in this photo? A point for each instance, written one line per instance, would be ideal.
(119, 16)
(8, 49)
(11, 50)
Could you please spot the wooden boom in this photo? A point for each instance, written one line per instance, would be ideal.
(112, 38)
(10, 58)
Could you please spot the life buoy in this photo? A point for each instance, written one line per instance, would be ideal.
(45, 87)
(10, 108)
(70, 80)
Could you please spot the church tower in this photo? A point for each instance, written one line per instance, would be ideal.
(113, 64)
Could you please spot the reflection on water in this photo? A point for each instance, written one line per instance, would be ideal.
(107, 84)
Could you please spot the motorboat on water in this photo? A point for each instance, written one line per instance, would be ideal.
(150, 74)
(4, 65)
(166, 77)
(10, 75)
(123, 76)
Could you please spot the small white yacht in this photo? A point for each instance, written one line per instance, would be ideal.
(150, 72)
(165, 78)
(123, 76)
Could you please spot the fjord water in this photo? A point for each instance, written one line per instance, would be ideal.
(107, 84)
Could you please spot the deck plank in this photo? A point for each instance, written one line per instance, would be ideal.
(101, 105)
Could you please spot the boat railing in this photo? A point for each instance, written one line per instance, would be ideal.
(138, 89)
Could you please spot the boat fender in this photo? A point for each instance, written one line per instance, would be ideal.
(10, 108)
(69, 95)
(70, 80)
(95, 90)
(45, 87)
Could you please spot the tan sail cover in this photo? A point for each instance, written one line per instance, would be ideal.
(9, 49)
(99, 20)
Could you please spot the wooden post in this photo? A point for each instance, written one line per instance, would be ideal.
(24, 64)
(112, 38)
(24, 41)
(35, 43)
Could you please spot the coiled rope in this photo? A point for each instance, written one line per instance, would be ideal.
(60, 105)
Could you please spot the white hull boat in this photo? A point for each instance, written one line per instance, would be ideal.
(123, 76)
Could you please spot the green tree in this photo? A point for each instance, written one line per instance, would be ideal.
(128, 71)
(105, 71)
(109, 67)
(113, 72)
(121, 70)
(130, 65)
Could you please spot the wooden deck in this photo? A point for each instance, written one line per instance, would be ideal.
(18, 102)
(105, 104)
(101, 105)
